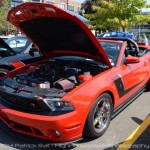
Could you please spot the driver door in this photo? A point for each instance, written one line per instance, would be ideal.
(131, 77)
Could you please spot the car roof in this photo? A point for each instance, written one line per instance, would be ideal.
(5, 37)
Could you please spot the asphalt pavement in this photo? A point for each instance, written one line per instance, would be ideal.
(132, 123)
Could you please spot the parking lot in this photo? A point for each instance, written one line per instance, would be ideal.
(127, 129)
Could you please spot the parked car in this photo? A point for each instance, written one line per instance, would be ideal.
(19, 43)
(83, 84)
(117, 34)
(18, 56)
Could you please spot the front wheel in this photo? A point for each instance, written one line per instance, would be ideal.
(99, 117)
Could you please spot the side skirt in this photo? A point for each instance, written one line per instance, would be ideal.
(128, 101)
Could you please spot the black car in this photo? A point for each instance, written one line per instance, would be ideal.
(17, 56)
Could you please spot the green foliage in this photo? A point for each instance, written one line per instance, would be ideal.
(118, 14)
(5, 26)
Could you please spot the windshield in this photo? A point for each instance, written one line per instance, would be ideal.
(112, 50)
(17, 43)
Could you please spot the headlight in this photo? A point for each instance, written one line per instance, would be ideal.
(58, 105)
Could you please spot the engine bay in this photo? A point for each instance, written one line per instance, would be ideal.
(59, 74)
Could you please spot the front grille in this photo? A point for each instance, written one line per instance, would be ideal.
(23, 103)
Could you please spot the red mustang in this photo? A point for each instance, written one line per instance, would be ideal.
(80, 86)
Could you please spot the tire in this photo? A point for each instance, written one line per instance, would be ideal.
(3, 72)
(99, 117)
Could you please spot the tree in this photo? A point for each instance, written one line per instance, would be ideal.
(87, 6)
(118, 14)
(5, 26)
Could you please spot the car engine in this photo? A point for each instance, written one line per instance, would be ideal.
(62, 75)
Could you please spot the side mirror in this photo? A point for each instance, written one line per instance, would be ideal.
(131, 60)
(32, 50)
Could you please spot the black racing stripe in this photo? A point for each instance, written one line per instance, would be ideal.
(120, 86)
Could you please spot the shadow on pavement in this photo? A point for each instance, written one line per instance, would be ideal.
(139, 139)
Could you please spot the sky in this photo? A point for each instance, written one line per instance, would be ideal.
(148, 1)
(81, 1)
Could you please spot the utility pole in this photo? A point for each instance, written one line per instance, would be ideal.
(67, 3)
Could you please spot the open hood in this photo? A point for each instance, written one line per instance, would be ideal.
(56, 32)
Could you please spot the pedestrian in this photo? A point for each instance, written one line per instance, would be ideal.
(144, 39)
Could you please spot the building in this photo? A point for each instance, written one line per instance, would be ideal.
(71, 5)
(14, 3)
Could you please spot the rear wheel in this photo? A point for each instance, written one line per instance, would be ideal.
(99, 117)
(3, 72)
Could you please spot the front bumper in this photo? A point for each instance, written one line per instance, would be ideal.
(35, 140)
(62, 128)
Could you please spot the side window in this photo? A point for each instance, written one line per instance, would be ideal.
(12, 44)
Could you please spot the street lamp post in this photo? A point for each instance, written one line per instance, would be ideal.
(67, 2)
(139, 31)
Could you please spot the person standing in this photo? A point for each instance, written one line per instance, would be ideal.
(144, 39)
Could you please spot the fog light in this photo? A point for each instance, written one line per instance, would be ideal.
(57, 133)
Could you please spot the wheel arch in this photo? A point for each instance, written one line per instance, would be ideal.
(112, 96)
